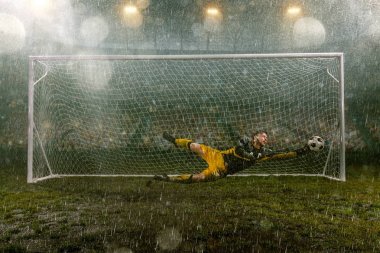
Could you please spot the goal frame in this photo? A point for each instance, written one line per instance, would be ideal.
(32, 82)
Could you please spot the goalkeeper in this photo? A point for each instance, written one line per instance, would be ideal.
(227, 162)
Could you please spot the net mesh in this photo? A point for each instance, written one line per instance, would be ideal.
(106, 117)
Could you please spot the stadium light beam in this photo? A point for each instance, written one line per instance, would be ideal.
(213, 18)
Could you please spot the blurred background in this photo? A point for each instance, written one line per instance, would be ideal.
(130, 27)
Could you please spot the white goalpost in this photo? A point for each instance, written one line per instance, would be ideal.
(104, 115)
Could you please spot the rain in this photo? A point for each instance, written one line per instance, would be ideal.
(87, 89)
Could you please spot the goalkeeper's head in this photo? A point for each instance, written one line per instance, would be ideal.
(259, 139)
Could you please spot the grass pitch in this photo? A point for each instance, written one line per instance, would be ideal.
(236, 214)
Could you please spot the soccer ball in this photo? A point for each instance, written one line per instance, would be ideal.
(316, 143)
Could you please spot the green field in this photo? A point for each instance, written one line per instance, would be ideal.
(250, 214)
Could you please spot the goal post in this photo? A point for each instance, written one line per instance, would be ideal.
(104, 115)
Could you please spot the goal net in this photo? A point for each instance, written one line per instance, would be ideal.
(105, 115)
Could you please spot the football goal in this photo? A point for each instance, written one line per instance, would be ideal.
(105, 115)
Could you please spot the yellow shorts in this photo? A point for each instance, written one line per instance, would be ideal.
(214, 158)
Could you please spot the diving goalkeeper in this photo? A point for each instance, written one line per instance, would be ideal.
(230, 161)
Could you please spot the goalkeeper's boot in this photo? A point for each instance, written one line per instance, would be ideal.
(183, 179)
(182, 143)
(162, 177)
(168, 137)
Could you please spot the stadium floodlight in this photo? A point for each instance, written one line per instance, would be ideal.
(212, 21)
(130, 9)
(40, 6)
(40, 3)
(80, 128)
(293, 11)
(131, 16)
(213, 14)
(212, 11)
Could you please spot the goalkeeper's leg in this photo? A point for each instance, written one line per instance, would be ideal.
(215, 171)
(184, 179)
(184, 143)
(205, 176)
(212, 156)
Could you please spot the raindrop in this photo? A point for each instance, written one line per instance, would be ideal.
(169, 239)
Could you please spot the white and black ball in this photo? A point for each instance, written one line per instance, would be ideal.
(316, 143)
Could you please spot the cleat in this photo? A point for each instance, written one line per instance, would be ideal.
(162, 177)
(168, 137)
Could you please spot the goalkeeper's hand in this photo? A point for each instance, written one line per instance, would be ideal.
(248, 155)
(251, 157)
(302, 151)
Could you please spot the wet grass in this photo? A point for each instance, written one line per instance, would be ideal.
(251, 214)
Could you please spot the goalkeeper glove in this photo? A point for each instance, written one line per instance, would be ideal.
(302, 151)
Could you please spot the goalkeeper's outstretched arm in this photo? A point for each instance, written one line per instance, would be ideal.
(285, 155)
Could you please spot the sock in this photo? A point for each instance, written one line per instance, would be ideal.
(183, 143)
